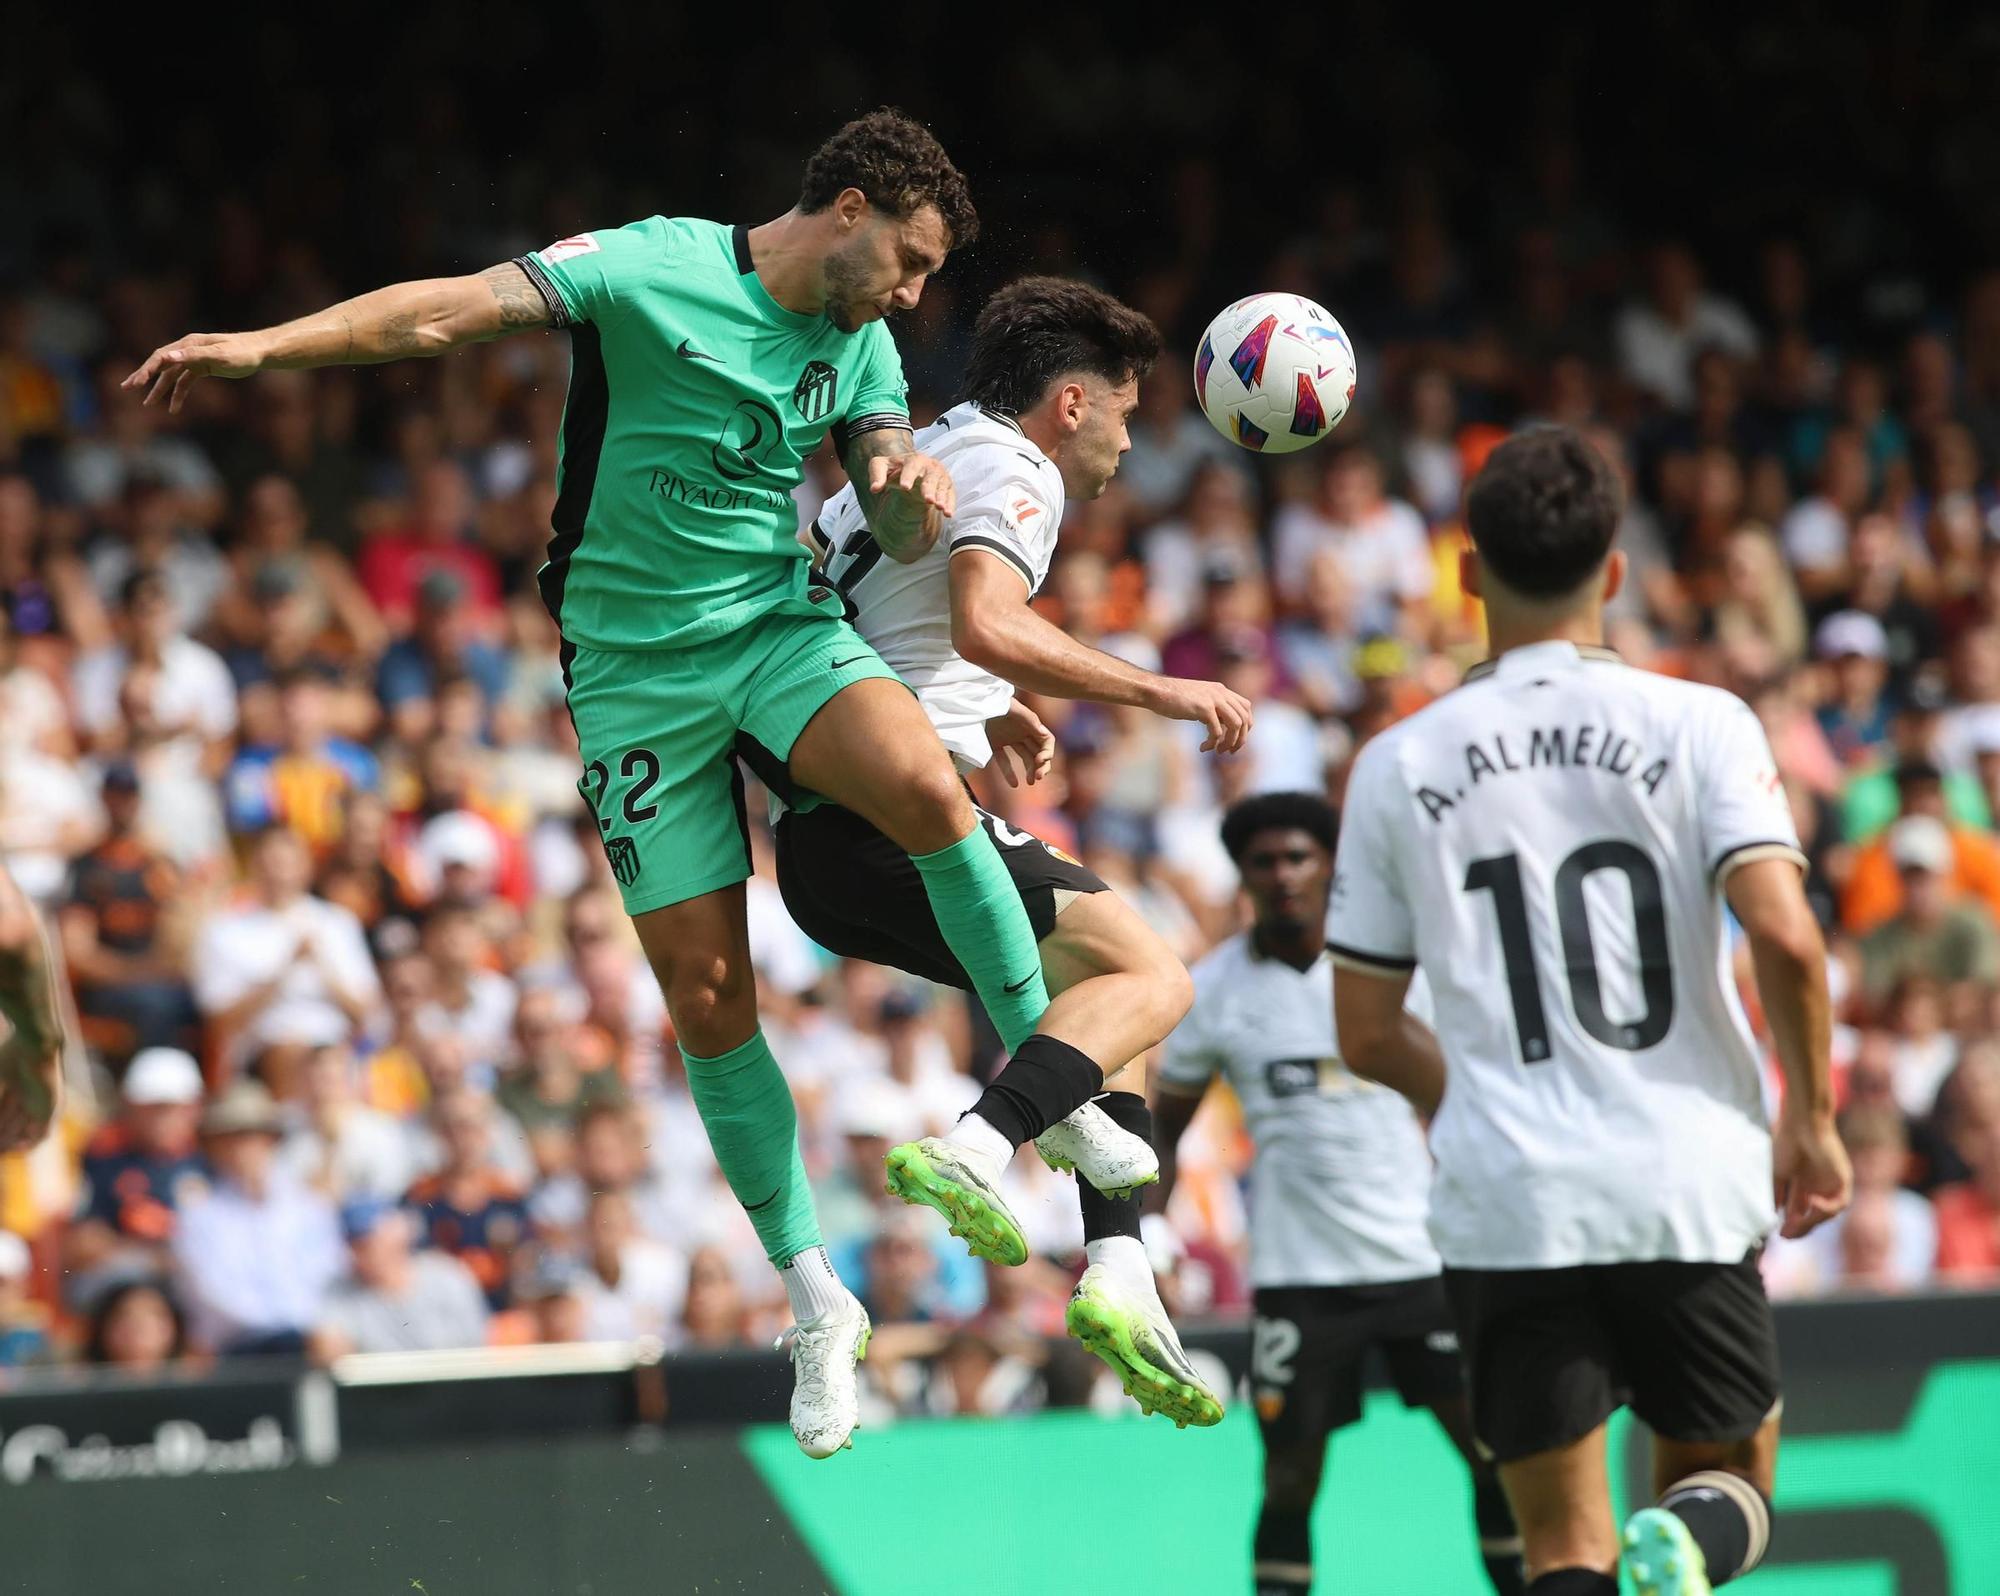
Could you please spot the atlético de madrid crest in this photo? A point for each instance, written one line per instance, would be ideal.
(623, 853)
(813, 397)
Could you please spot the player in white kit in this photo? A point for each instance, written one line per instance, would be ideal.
(1054, 373)
(1554, 843)
(1339, 1257)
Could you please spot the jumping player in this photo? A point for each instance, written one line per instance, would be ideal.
(707, 361)
(1054, 372)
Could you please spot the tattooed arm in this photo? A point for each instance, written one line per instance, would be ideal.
(905, 496)
(399, 322)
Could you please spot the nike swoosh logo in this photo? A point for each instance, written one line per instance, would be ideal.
(842, 664)
(751, 1208)
(688, 353)
(1016, 986)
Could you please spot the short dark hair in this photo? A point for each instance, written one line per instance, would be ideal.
(1038, 329)
(1544, 512)
(1279, 811)
(900, 167)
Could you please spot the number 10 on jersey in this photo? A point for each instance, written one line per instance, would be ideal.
(1501, 876)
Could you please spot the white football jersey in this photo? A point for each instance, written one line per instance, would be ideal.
(1341, 1178)
(1010, 503)
(1549, 842)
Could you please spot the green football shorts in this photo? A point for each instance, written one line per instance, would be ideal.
(659, 732)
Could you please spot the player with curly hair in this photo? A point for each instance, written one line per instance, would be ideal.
(707, 362)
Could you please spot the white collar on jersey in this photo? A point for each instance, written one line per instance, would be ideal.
(1552, 655)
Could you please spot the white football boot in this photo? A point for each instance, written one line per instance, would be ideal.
(1127, 1326)
(825, 1401)
(1111, 1158)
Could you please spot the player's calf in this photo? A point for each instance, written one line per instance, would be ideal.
(1281, 1550)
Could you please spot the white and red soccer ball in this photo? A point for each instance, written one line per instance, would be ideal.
(1274, 372)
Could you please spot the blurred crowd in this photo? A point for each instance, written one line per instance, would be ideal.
(374, 1061)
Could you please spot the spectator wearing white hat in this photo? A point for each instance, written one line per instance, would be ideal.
(139, 1171)
(255, 1256)
(1936, 932)
(1857, 714)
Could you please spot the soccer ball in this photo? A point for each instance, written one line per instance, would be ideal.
(1274, 373)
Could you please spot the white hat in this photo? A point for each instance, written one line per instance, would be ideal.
(459, 838)
(1921, 842)
(14, 1259)
(1851, 632)
(162, 1075)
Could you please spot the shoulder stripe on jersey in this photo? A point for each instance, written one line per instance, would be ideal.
(1369, 963)
(820, 540)
(995, 546)
(1750, 853)
(585, 414)
(740, 241)
(1588, 652)
(558, 311)
(1000, 416)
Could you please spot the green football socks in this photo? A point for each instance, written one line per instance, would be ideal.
(753, 1127)
(985, 926)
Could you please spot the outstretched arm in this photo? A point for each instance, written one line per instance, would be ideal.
(402, 321)
(994, 627)
(1381, 1040)
(905, 496)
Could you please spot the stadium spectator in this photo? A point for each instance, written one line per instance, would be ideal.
(632, 1285)
(393, 1299)
(1855, 717)
(305, 779)
(471, 1207)
(137, 1328)
(340, 1146)
(189, 691)
(123, 934)
(139, 1172)
(395, 564)
(1874, 890)
(716, 1314)
(1382, 543)
(255, 1254)
(286, 966)
(1659, 336)
(1936, 933)
(549, 1082)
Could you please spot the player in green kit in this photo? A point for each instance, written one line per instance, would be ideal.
(707, 363)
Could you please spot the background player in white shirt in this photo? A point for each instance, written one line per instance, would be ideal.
(1053, 375)
(1553, 842)
(1339, 1257)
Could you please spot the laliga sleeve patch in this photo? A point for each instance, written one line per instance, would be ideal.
(570, 248)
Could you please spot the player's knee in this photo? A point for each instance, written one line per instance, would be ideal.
(705, 997)
(1173, 990)
(929, 807)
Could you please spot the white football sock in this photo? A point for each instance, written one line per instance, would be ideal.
(811, 1285)
(1124, 1259)
(989, 1149)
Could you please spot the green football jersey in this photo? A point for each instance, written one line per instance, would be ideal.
(694, 399)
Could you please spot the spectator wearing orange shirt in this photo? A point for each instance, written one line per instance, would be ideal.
(1875, 888)
(471, 1208)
